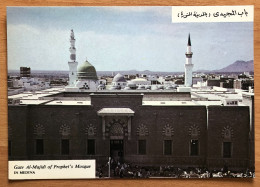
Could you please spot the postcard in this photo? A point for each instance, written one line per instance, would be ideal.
(130, 92)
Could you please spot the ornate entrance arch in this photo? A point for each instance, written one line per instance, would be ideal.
(116, 122)
(117, 129)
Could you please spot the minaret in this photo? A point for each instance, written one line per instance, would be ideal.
(72, 63)
(188, 65)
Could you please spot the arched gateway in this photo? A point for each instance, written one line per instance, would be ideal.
(116, 126)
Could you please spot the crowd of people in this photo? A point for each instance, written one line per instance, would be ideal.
(125, 170)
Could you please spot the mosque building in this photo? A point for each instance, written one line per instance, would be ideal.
(141, 127)
(87, 77)
(82, 78)
(118, 82)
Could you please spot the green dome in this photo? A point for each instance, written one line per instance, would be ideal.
(87, 71)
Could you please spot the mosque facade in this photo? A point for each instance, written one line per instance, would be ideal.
(132, 128)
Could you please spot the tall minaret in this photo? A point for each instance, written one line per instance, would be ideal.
(72, 63)
(188, 65)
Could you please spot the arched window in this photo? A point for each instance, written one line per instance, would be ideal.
(168, 130)
(65, 142)
(142, 130)
(39, 130)
(227, 135)
(65, 130)
(90, 130)
(194, 132)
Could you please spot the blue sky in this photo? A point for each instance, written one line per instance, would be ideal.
(121, 38)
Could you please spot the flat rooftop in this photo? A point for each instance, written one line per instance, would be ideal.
(32, 102)
(31, 96)
(66, 102)
(168, 103)
(57, 96)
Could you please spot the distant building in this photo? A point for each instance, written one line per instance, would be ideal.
(213, 82)
(230, 102)
(25, 72)
(247, 73)
(227, 83)
(129, 77)
(118, 82)
(243, 84)
(179, 81)
(195, 80)
(237, 84)
(153, 79)
(10, 83)
(139, 82)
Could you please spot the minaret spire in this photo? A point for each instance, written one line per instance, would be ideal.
(188, 65)
(72, 46)
(72, 63)
(189, 43)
